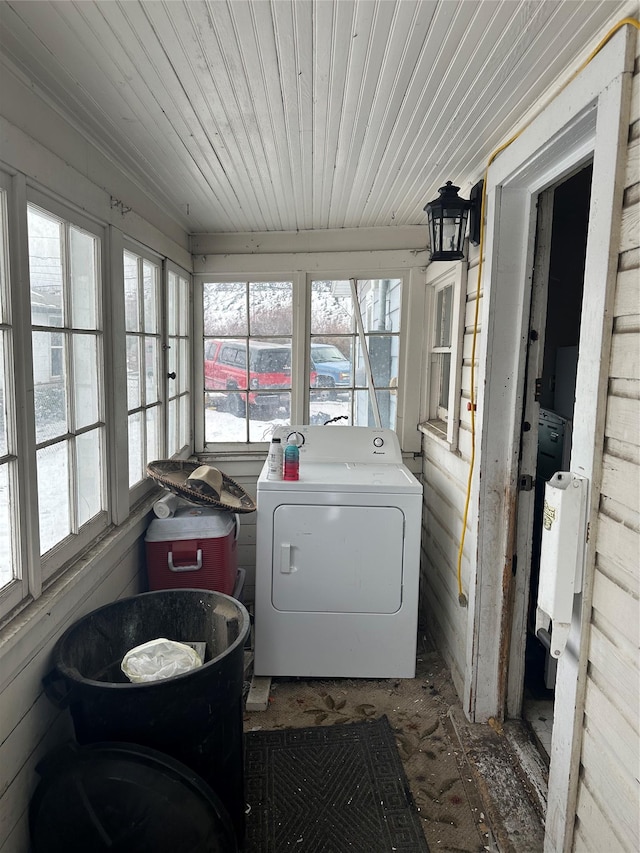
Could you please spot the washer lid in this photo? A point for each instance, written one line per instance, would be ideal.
(346, 477)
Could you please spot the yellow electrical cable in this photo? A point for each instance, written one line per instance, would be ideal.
(462, 599)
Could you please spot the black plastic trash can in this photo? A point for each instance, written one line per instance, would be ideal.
(124, 798)
(196, 718)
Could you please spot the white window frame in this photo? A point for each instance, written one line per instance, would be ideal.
(18, 589)
(22, 599)
(138, 489)
(32, 569)
(60, 554)
(358, 335)
(393, 264)
(198, 354)
(176, 341)
(440, 422)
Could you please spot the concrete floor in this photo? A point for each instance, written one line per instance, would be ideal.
(539, 714)
(465, 779)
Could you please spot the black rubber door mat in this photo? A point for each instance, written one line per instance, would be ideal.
(329, 789)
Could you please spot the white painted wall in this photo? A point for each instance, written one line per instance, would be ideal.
(608, 801)
(445, 474)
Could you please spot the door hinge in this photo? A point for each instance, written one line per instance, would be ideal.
(537, 393)
(525, 483)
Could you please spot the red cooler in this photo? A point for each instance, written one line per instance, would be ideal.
(197, 548)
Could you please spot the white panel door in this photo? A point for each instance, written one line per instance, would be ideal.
(337, 559)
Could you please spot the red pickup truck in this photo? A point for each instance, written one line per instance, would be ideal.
(267, 376)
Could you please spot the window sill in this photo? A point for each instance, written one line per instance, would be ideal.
(436, 430)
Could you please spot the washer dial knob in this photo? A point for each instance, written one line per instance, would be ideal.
(297, 438)
(378, 442)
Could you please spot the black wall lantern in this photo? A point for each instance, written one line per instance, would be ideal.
(448, 221)
(447, 224)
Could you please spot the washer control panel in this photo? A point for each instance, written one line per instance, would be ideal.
(342, 443)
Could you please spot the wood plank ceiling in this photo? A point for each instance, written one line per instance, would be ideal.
(271, 115)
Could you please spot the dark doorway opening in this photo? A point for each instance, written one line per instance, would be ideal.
(556, 396)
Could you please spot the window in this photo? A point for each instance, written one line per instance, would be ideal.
(258, 366)
(441, 350)
(61, 424)
(178, 363)
(56, 355)
(354, 351)
(9, 567)
(247, 369)
(444, 320)
(67, 346)
(144, 375)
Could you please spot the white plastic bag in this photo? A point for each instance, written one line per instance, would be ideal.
(159, 659)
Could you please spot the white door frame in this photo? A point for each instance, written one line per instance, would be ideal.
(588, 120)
(523, 545)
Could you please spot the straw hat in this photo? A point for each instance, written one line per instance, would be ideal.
(201, 484)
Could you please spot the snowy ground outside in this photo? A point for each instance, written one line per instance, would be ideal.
(221, 426)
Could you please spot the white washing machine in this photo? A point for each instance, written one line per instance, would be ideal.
(337, 559)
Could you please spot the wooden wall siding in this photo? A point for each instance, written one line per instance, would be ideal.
(444, 619)
(445, 477)
(247, 538)
(607, 809)
(30, 725)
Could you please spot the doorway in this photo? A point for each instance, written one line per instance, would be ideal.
(554, 334)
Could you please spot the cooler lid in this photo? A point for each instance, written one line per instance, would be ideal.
(196, 522)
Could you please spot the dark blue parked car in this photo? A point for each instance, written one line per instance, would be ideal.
(333, 369)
